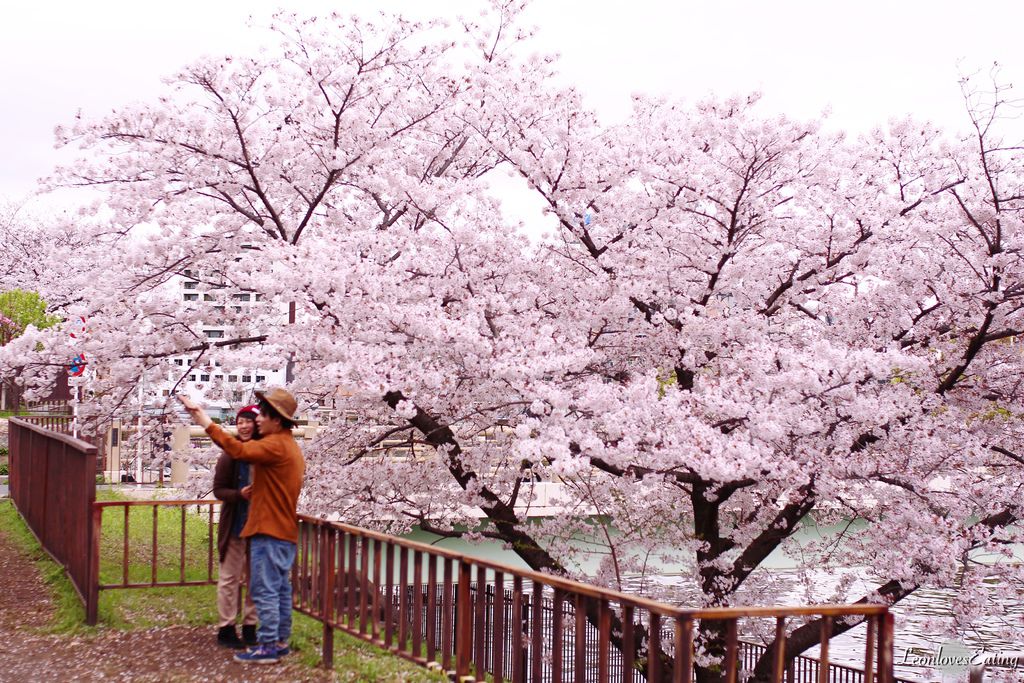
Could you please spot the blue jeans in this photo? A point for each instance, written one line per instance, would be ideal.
(269, 563)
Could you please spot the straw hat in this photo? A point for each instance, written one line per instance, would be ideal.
(280, 400)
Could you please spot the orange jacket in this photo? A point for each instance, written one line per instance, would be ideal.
(276, 482)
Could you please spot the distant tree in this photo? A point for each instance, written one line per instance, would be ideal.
(19, 309)
(35, 253)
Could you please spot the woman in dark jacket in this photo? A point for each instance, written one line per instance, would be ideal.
(232, 484)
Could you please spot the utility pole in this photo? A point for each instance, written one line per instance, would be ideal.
(289, 368)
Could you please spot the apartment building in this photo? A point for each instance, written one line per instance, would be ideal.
(221, 389)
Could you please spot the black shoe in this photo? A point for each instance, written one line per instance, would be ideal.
(227, 636)
(249, 634)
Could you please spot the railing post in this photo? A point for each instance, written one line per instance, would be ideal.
(684, 651)
(732, 650)
(327, 593)
(92, 590)
(869, 648)
(885, 645)
(604, 634)
(464, 621)
(826, 634)
(44, 498)
(654, 647)
(179, 447)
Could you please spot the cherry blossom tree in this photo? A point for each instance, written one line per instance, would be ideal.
(834, 321)
(738, 319)
(30, 249)
(28, 246)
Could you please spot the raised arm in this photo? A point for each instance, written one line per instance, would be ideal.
(262, 451)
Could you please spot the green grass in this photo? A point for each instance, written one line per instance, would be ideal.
(150, 607)
(141, 608)
(69, 612)
(355, 660)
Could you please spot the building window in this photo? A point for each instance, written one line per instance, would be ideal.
(207, 297)
(191, 285)
(218, 377)
(260, 378)
(179, 361)
(241, 297)
(191, 297)
(191, 378)
(214, 334)
(204, 378)
(232, 378)
(246, 378)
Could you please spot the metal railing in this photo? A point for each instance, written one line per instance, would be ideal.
(376, 596)
(149, 564)
(60, 424)
(52, 405)
(806, 669)
(419, 602)
(53, 484)
(471, 617)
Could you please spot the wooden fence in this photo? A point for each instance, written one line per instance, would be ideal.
(174, 566)
(53, 484)
(476, 619)
(61, 423)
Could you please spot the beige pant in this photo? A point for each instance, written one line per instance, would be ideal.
(234, 574)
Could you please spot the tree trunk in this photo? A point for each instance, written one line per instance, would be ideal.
(711, 638)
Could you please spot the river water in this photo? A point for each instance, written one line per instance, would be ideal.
(923, 620)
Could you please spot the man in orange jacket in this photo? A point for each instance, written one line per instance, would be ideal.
(272, 526)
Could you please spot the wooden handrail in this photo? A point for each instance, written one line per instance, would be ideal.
(576, 587)
(151, 503)
(590, 591)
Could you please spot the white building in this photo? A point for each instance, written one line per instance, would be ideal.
(223, 390)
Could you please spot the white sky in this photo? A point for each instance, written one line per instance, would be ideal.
(865, 60)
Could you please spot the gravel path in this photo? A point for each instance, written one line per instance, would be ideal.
(175, 654)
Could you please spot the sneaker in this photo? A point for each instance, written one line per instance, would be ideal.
(283, 649)
(228, 637)
(261, 654)
(249, 635)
